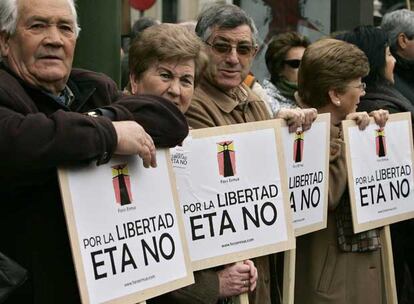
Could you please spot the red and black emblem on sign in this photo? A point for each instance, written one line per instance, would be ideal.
(226, 157)
(380, 144)
(298, 147)
(122, 184)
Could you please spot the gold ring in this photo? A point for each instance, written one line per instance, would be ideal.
(245, 283)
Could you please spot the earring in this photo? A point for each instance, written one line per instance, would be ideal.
(338, 103)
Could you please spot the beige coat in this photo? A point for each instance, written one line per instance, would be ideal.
(324, 274)
(211, 107)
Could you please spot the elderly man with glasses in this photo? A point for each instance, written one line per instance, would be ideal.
(221, 98)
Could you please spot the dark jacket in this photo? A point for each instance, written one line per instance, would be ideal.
(385, 97)
(36, 135)
(404, 77)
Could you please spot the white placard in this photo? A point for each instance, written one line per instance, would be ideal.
(380, 176)
(232, 196)
(307, 164)
(125, 231)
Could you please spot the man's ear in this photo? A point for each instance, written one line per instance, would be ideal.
(402, 41)
(133, 84)
(256, 49)
(334, 96)
(4, 44)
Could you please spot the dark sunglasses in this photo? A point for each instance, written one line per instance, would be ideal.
(293, 63)
(226, 48)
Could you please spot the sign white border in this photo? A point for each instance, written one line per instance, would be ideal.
(386, 220)
(75, 241)
(314, 226)
(275, 126)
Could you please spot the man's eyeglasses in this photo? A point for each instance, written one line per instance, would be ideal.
(226, 48)
(362, 86)
(293, 63)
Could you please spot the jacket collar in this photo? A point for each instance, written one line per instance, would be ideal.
(240, 96)
(404, 64)
(386, 92)
(81, 91)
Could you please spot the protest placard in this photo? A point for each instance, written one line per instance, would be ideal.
(125, 229)
(307, 164)
(380, 175)
(233, 193)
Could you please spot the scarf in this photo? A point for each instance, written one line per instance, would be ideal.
(287, 88)
(348, 241)
(404, 64)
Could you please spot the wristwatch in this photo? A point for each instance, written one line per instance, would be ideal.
(93, 113)
(102, 112)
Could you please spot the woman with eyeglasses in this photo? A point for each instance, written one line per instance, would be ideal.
(381, 93)
(334, 265)
(380, 90)
(283, 57)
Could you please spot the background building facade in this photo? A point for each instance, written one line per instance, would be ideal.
(106, 24)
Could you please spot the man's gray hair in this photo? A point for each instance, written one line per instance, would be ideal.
(396, 22)
(8, 16)
(227, 16)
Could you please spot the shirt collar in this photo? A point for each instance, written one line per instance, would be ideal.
(65, 97)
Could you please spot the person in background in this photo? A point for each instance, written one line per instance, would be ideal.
(52, 115)
(138, 26)
(399, 25)
(381, 94)
(221, 98)
(334, 265)
(167, 61)
(283, 55)
(380, 90)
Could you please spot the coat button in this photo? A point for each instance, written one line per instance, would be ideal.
(105, 155)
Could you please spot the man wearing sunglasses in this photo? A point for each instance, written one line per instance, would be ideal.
(222, 98)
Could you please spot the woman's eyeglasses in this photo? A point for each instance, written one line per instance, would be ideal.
(226, 48)
(362, 86)
(293, 63)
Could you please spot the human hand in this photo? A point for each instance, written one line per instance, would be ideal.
(380, 117)
(237, 278)
(253, 274)
(310, 115)
(298, 118)
(132, 139)
(360, 118)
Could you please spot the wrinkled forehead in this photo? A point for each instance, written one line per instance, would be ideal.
(45, 9)
(241, 33)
